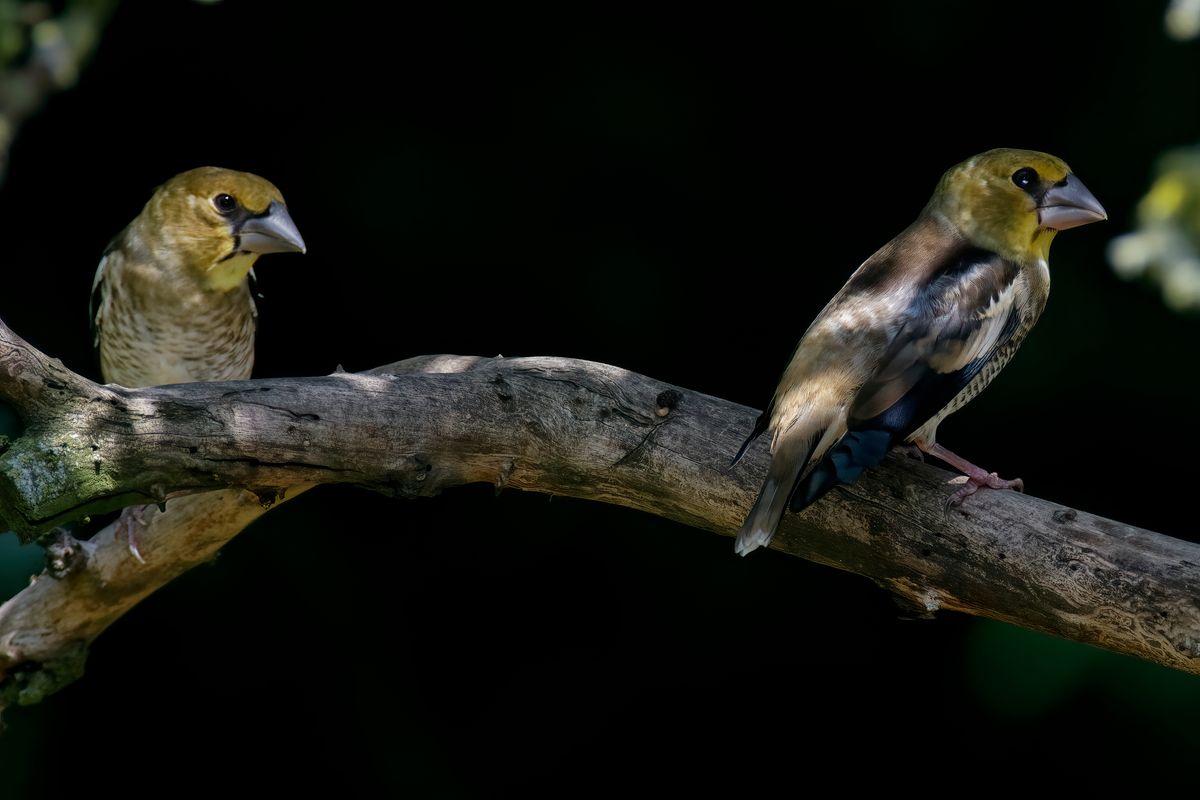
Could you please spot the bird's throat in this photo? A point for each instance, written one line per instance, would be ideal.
(229, 273)
(1042, 237)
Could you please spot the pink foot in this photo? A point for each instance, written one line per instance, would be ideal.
(132, 520)
(977, 478)
(982, 480)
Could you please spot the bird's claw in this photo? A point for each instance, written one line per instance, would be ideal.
(989, 480)
(132, 519)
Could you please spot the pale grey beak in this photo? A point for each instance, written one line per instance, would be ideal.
(1069, 205)
(271, 232)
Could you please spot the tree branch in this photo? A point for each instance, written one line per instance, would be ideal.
(46, 628)
(580, 429)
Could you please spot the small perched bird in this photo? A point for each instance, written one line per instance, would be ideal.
(918, 330)
(171, 302)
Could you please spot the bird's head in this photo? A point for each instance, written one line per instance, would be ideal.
(1013, 202)
(212, 224)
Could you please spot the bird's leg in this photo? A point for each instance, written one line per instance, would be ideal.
(132, 519)
(135, 518)
(909, 451)
(977, 478)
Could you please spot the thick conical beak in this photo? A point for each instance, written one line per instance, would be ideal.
(271, 232)
(1069, 204)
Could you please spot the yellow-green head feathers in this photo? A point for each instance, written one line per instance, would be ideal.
(1013, 202)
(213, 223)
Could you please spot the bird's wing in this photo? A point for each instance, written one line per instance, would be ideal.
(98, 305)
(954, 325)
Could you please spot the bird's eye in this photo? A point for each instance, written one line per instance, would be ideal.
(1025, 177)
(225, 203)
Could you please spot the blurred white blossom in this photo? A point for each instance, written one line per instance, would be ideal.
(1183, 19)
(1166, 245)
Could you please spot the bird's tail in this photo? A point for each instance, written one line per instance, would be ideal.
(787, 463)
(760, 425)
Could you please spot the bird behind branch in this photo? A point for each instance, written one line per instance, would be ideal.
(918, 330)
(171, 301)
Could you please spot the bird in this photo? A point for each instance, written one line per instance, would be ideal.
(172, 300)
(919, 329)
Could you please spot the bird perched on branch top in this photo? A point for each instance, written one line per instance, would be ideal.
(171, 302)
(918, 330)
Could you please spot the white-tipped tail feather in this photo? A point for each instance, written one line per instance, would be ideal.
(790, 457)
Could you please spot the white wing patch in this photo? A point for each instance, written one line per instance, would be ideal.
(982, 340)
(951, 334)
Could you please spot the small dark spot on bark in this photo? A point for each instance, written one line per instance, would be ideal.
(95, 447)
(1001, 556)
(267, 497)
(502, 389)
(604, 413)
(926, 552)
(1162, 614)
(193, 450)
(666, 401)
(1074, 566)
(1064, 515)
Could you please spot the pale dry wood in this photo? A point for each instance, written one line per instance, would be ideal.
(46, 628)
(592, 431)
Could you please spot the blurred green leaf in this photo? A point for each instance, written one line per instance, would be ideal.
(1019, 674)
(17, 563)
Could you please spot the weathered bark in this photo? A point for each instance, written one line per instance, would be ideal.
(46, 628)
(586, 430)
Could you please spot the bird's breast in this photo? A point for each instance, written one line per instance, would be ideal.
(203, 337)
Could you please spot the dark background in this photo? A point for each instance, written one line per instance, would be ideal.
(677, 193)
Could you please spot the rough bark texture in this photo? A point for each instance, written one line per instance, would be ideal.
(586, 430)
(46, 628)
